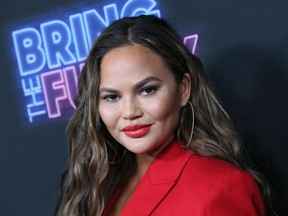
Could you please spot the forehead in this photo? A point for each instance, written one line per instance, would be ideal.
(132, 63)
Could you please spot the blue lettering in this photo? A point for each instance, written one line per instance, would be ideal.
(33, 92)
(79, 37)
(95, 23)
(62, 45)
(138, 7)
(30, 55)
(57, 40)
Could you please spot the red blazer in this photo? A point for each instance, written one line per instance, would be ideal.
(183, 183)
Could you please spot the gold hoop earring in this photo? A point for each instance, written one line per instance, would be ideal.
(192, 128)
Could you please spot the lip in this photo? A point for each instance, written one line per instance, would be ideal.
(136, 131)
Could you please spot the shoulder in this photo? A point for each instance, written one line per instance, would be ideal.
(213, 168)
(213, 171)
(222, 186)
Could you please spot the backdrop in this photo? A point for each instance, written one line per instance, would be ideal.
(243, 45)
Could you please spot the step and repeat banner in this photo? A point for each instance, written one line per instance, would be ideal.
(243, 45)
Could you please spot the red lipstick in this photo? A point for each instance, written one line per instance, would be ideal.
(136, 131)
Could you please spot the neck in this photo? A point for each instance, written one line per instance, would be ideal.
(144, 160)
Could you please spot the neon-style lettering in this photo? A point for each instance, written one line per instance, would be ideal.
(54, 91)
(79, 37)
(29, 53)
(94, 23)
(57, 40)
(71, 81)
(51, 56)
(191, 42)
(138, 7)
(81, 66)
(32, 89)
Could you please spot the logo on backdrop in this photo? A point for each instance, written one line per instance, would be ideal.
(51, 55)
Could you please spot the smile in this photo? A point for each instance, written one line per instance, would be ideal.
(136, 131)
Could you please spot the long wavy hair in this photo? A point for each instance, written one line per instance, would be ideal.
(97, 164)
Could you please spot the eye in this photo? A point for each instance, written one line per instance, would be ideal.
(148, 91)
(111, 98)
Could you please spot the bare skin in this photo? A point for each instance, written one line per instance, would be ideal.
(144, 99)
(143, 163)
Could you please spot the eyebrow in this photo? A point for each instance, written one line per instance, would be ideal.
(145, 81)
(136, 86)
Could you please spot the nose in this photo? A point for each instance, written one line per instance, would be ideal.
(131, 109)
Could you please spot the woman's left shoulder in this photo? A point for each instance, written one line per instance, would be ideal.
(223, 187)
(217, 169)
(220, 176)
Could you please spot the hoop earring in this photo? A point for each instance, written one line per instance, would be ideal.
(192, 128)
(119, 160)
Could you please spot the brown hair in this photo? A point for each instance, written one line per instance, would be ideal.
(96, 165)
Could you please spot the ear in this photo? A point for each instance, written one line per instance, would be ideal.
(185, 89)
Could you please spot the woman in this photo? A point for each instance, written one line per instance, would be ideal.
(149, 137)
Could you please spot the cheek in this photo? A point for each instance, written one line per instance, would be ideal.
(163, 108)
(107, 116)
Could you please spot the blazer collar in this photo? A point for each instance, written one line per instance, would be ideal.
(158, 180)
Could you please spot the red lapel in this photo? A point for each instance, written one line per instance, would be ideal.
(158, 181)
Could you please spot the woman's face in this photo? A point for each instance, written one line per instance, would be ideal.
(140, 101)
